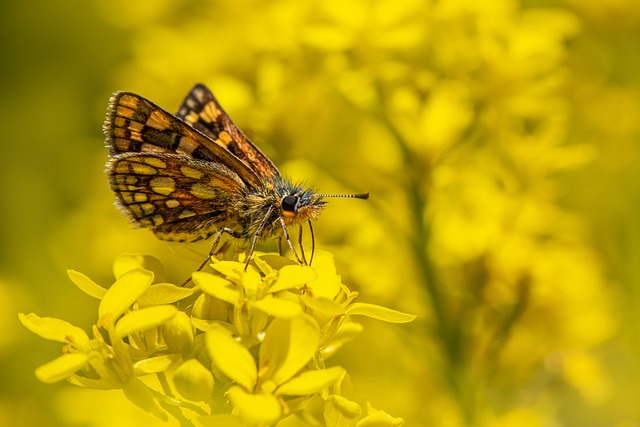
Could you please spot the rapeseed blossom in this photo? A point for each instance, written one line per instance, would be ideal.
(240, 346)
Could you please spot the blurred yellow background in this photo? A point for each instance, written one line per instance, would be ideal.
(499, 140)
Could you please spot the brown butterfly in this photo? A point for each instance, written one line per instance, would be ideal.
(194, 175)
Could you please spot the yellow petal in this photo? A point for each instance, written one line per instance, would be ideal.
(124, 292)
(86, 285)
(278, 307)
(62, 367)
(255, 409)
(163, 293)
(216, 286)
(55, 329)
(379, 312)
(153, 365)
(143, 319)
(231, 357)
(311, 382)
(288, 346)
(293, 276)
(193, 381)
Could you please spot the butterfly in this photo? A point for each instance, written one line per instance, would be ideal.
(195, 175)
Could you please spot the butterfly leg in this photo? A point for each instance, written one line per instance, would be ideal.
(286, 236)
(313, 243)
(256, 235)
(214, 246)
(304, 258)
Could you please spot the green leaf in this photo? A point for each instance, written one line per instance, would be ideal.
(255, 409)
(379, 313)
(216, 286)
(86, 285)
(143, 319)
(288, 346)
(278, 307)
(163, 293)
(153, 365)
(54, 329)
(193, 381)
(311, 382)
(62, 367)
(124, 292)
(231, 357)
(293, 276)
(140, 395)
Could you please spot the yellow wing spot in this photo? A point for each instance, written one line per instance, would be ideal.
(131, 179)
(210, 113)
(157, 220)
(129, 101)
(187, 145)
(136, 126)
(154, 161)
(123, 167)
(147, 208)
(126, 197)
(136, 136)
(163, 185)
(120, 121)
(172, 203)
(186, 214)
(191, 172)
(135, 210)
(224, 138)
(121, 144)
(125, 111)
(203, 191)
(142, 169)
(192, 117)
(140, 197)
(145, 222)
(158, 120)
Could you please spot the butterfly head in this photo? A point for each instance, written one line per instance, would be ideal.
(300, 205)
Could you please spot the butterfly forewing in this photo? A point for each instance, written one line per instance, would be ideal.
(201, 110)
(178, 198)
(135, 124)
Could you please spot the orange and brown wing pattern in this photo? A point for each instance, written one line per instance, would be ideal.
(201, 110)
(178, 198)
(136, 125)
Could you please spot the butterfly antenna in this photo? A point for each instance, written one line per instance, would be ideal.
(363, 196)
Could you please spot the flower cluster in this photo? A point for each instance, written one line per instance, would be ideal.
(237, 348)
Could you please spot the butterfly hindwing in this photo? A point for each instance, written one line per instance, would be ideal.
(178, 198)
(201, 110)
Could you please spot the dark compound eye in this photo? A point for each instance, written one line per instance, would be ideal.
(290, 203)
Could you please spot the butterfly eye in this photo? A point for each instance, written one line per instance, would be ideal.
(290, 203)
